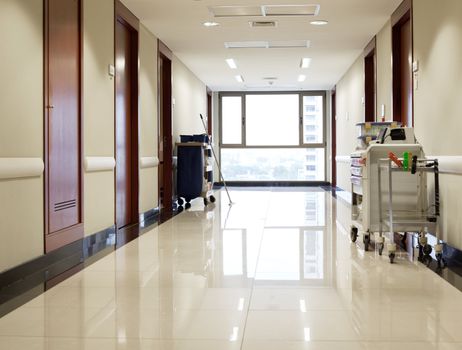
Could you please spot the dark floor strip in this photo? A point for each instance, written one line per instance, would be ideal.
(27, 281)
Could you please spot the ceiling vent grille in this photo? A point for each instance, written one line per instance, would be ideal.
(264, 24)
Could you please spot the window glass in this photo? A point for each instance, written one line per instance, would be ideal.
(273, 164)
(231, 119)
(313, 117)
(272, 120)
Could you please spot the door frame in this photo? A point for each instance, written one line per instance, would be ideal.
(333, 136)
(401, 15)
(125, 16)
(70, 234)
(165, 112)
(209, 111)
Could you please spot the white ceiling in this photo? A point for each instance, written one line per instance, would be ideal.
(334, 47)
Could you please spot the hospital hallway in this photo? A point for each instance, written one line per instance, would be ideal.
(273, 271)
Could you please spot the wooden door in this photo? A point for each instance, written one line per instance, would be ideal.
(126, 124)
(406, 73)
(165, 129)
(370, 82)
(402, 47)
(63, 221)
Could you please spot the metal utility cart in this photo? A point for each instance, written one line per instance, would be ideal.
(420, 217)
(194, 172)
(390, 137)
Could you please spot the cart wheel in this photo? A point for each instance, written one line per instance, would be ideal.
(441, 262)
(354, 234)
(392, 257)
(427, 249)
(366, 241)
(206, 201)
(212, 199)
(180, 209)
(188, 205)
(180, 201)
(380, 247)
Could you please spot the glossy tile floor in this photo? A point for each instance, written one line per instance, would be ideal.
(274, 271)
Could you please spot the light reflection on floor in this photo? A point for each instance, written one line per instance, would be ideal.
(275, 270)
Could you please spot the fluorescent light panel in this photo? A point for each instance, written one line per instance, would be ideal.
(319, 23)
(305, 62)
(231, 63)
(264, 11)
(211, 24)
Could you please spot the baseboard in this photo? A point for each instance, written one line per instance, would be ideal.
(17, 285)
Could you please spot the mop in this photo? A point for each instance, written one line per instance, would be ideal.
(217, 162)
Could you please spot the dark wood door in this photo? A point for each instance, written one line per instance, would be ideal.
(406, 73)
(126, 138)
(402, 47)
(165, 137)
(62, 119)
(370, 82)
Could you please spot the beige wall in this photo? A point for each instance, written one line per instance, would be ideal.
(438, 106)
(148, 129)
(190, 100)
(21, 128)
(98, 88)
(350, 110)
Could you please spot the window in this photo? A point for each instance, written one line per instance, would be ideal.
(231, 119)
(272, 136)
(272, 120)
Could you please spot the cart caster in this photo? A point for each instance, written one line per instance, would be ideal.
(212, 199)
(366, 241)
(354, 234)
(188, 205)
(427, 250)
(206, 202)
(440, 261)
(439, 256)
(180, 209)
(392, 257)
(380, 248)
(180, 201)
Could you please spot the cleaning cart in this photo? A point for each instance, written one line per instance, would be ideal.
(194, 170)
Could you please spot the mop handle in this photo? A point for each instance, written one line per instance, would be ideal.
(216, 161)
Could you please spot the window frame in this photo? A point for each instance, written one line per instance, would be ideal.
(301, 141)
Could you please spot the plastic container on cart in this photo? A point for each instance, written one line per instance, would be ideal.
(368, 131)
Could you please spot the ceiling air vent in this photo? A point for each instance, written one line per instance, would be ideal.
(265, 24)
(288, 44)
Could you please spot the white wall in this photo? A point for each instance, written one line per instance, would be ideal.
(190, 97)
(21, 128)
(98, 89)
(437, 101)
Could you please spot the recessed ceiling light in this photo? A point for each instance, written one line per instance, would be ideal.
(239, 78)
(319, 23)
(305, 62)
(211, 24)
(231, 63)
(301, 78)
